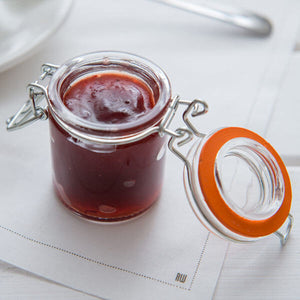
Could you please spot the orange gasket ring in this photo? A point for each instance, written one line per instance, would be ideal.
(216, 203)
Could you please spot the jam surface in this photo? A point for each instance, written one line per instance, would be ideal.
(107, 182)
(109, 98)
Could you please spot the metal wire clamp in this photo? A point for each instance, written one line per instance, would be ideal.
(33, 109)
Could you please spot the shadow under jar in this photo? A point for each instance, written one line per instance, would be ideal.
(95, 100)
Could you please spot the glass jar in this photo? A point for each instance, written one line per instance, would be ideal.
(98, 173)
(236, 182)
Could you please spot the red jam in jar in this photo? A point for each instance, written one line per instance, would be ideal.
(109, 98)
(105, 181)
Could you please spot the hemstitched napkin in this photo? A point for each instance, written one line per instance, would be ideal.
(166, 253)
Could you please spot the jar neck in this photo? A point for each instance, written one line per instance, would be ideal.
(108, 62)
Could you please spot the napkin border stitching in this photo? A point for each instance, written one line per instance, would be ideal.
(111, 266)
(199, 261)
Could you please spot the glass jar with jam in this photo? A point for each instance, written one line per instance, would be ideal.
(96, 103)
(110, 114)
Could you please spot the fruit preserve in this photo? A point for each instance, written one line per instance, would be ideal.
(105, 168)
(109, 98)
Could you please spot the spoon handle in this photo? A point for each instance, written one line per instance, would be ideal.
(231, 15)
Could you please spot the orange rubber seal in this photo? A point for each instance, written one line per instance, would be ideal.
(213, 198)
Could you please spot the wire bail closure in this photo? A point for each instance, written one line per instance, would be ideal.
(33, 109)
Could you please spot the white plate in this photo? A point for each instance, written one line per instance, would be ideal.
(24, 25)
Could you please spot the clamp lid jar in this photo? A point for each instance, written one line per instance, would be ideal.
(104, 112)
(236, 182)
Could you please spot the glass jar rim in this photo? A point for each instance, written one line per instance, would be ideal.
(106, 58)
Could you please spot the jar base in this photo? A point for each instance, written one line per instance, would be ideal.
(107, 220)
(97, 219)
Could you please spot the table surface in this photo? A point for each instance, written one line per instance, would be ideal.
(20, 284)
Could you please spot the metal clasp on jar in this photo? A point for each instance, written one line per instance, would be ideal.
(34, 108)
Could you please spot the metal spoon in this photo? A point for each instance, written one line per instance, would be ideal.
(234, 16)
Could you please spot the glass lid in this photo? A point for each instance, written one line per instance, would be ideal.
(240, 183)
